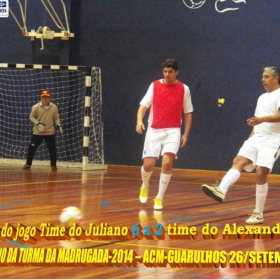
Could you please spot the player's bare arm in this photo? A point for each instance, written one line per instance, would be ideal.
(140, 115)
(187, 128)
(257, 120)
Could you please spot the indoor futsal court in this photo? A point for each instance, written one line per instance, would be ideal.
(111, 196)
(103, 64)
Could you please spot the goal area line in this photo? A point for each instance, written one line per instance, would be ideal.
(21, 162)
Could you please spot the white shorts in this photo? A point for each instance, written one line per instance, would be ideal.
(161, 141)
(261, 150)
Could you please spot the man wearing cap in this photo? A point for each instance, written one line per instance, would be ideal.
(44, 115)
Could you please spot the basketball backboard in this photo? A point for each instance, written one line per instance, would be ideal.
(43, 32)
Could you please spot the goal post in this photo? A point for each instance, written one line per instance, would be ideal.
(77, 92)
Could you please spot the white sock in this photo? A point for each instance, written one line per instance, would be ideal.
(163, 184)
(145, 177)
(229, 179)
(261, 194)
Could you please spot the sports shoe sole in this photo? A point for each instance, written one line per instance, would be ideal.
(211, 194)
(26, 167)
(143, 199)
(158, 207)
(254, 223)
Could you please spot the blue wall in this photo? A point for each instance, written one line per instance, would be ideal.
(16, 48)
(220, 55)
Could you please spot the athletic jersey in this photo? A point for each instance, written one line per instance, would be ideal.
(267, 105)
(166, 103)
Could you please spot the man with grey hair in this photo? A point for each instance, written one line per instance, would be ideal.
(261, 150)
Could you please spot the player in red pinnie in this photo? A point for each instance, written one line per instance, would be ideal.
(167, 100)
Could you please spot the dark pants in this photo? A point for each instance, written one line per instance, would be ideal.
(35, 142)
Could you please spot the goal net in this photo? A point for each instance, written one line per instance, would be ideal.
(77, 92)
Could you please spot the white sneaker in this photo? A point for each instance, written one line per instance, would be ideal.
(256, 218)
(144, 194)
(158, 204)
(214, 192)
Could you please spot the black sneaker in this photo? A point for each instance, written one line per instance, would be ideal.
(54, 168)
(26, 167)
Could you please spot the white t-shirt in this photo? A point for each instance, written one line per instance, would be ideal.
(267, 105)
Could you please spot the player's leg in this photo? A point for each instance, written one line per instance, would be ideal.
(146, 173)
(268, 154)
(246, 156)
(234, 173)
(147, 170)
(50, 140)
(169, 150)
(35, 141)
(261, 195)
(151, 152)
(165, 176)
(218, 192)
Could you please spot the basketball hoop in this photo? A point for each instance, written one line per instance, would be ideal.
(44, 32)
